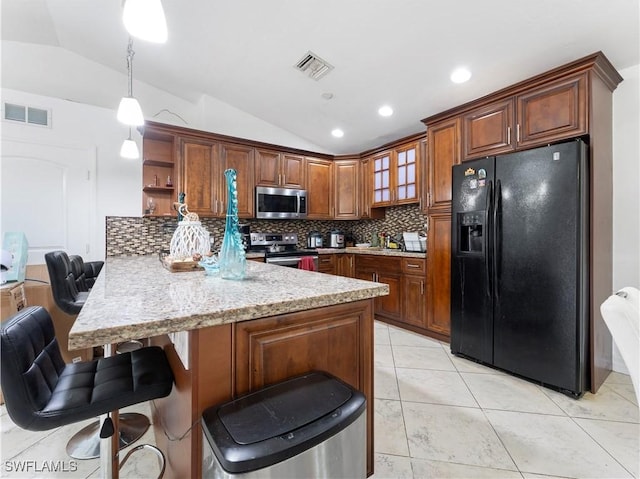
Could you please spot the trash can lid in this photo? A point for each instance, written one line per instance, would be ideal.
(279, 409)
(280, 421)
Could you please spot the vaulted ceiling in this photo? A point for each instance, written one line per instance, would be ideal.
(395, 52)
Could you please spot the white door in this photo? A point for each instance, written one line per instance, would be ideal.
(48, 193)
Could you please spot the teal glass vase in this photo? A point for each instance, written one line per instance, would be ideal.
(232, 260)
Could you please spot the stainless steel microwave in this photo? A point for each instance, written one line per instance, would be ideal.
(280, 203)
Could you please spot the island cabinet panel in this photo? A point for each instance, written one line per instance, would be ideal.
(198, 176)
(206, 381)
(337, 339)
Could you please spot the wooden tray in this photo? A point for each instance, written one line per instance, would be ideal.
(179, 266)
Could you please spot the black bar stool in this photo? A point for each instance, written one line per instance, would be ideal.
(65, 287)
(42, 392)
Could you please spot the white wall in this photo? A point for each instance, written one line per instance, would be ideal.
(77, 125)
(626, 191)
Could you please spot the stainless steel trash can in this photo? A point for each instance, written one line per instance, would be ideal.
(310, 426)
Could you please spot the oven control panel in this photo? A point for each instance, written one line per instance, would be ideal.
(268, 239)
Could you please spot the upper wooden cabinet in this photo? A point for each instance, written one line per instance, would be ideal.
(279, 170)
(319, 179)
(366, 191)
(395, 174)
(443, 151)
(346, 201)
(198, 176)
(538, 116)
(241, 159)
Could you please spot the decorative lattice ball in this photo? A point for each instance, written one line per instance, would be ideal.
(189, 238)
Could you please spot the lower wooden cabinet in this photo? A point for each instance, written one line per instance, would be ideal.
(439, 274)
(383, 270)
(414, 292)
(327, 263)
(346, 265)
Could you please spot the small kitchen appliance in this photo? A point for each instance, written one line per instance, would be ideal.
(336, 239)
(314, 239)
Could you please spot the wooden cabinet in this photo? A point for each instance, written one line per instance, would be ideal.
(346, 265)
(552, 112)
(158, 172)
(199, 176)
(279, 170)
(489, 130)
(443, 146)
(241, 159)
(319, 180)
(395, 176)
(383, 270)
(327, 263)
(346, 201)
(366, 191)
(438, 315)
(337, 339)
(414, 297)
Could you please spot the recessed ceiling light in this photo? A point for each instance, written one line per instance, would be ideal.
(460, 75)
(385, 110)
(337, 132)
(327, 96)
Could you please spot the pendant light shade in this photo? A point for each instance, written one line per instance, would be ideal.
(145, 19)
(129, 149)
(129, 112)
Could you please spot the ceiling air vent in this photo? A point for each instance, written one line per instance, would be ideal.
(314, 66)
(26, 114)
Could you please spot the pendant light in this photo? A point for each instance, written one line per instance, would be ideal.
(145, 19)
(129, 148)
(129, 111)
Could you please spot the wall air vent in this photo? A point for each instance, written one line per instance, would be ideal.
(26, 114)
(314, 66)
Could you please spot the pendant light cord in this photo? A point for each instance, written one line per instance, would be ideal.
(130, 54)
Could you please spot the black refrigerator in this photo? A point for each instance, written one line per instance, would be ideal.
(519, 264)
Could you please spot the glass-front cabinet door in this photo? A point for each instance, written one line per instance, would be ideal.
(382, 179)
(406, 175)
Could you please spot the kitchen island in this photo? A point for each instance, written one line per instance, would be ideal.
(226, 338)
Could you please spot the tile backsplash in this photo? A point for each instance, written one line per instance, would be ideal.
(141, 236)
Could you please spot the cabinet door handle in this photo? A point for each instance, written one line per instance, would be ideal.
(421, 287)
(284, 179)
(508, 135)
(518, 133)
(409, 265)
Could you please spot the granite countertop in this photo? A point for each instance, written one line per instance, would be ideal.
(135, 297)
(375, 251)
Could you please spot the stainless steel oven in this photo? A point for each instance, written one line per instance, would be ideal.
(281, 249)
(290, 258)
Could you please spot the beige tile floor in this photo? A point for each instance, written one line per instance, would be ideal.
(440, 416)
(436, 416)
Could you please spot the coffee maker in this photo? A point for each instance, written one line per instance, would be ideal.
(245, 231)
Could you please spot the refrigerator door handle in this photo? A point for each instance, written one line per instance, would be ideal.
(497, 241)
(488, 242)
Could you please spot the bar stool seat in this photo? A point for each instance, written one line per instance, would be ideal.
(42, 392)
